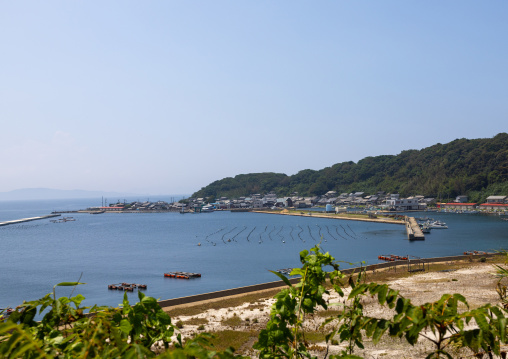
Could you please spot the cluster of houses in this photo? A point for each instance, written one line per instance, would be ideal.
(461, 204)
(330, 200)
(381, 200)
(159, 206)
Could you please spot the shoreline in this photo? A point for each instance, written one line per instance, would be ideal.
(195, 299)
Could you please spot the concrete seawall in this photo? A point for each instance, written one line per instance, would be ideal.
(280, 284)
(332, 216)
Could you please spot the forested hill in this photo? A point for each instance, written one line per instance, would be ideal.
(477, 167)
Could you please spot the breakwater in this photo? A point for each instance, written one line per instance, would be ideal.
(334, 216)
(414, 232)
(18, 221)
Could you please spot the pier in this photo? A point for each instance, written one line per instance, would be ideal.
(17, 221)
(414, 232)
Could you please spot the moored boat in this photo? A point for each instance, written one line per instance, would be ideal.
(436, 225)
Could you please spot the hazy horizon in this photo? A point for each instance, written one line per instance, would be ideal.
(168, 97)
(24, 194)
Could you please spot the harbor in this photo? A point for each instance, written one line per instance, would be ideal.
(237, 249)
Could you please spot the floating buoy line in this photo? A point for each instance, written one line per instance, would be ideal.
(281, 234)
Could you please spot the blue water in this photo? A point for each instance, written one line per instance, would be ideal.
(138, 248)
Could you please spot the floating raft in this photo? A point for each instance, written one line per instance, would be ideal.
(391, 258)
(473, 253)
(128, 287)
(182, 275)
(63, 219)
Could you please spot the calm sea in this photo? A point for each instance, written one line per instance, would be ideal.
(237, 249)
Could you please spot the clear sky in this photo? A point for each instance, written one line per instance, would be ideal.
(164, 97)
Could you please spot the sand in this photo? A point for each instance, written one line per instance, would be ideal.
(476, 281)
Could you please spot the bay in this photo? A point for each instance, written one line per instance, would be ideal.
(236, 249)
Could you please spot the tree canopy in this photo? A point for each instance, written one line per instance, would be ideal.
(477, 167)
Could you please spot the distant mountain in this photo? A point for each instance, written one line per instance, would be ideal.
(477, 168)
(48, 193)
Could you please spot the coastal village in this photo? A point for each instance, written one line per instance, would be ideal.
(331, 201)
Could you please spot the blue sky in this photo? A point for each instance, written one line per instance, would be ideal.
(164, 97)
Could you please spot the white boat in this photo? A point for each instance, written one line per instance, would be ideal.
(437, 225)
(208, 208)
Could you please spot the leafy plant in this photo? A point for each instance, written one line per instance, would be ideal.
(284, 336)
(140, 331)
(481, 330)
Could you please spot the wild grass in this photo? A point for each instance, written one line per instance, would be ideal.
(232, 338)
(234, 321)
(196, 321)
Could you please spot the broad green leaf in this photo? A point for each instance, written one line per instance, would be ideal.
(68, 284)
(283, 277)
(481, 321)
(125, 326)
(382, 294)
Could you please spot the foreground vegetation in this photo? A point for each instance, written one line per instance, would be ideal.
(145, 330)
(477, 167)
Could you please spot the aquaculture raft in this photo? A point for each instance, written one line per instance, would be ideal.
(128, 287)
(182, 275)
(473, 253)
(392, 258)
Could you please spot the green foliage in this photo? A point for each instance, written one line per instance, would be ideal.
(284, 336)
(139, 331)
(476, 167)
(439, 322)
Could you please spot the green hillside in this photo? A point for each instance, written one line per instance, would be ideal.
(477, 167)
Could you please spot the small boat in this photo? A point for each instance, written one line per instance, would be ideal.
(425, 228)
(285, 271)
(437, 225)
(207, 209)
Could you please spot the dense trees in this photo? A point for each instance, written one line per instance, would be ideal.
(476, 167)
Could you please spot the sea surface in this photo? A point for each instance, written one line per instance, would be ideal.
(229, 249)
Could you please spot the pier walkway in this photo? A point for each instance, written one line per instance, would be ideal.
(414, 232)
(17, 221)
